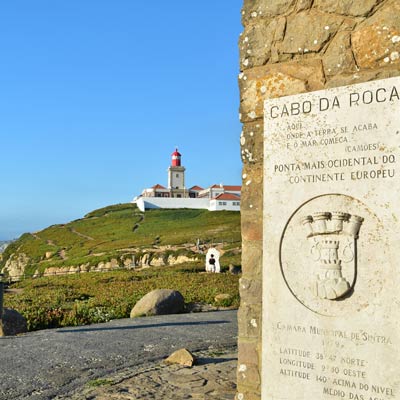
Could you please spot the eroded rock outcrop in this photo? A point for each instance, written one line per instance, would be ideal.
(16, 265)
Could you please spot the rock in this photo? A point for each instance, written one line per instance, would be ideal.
(110, 265)
(276, 80)
(256, 43)
(85, 267)
(338, 58)
(74, 269)
(254, 9)
(363, 76)
(129, 262)
(63, 254)
(234, 269)
(346, 7)
(15, 266)
(181, 357)
(175, 260)
(157, 262)
(13, 323)
(36, 274)
(159, 302)
(316, 29)
(376, 42)
(56, 271)
(303, 5)
(222, 298)
(145, 260)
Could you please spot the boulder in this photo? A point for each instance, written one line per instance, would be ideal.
(223, 298)
(182, 357)
(159, 302)
(234, 269)
(13, 323)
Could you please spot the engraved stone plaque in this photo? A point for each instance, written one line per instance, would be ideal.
(331, 281)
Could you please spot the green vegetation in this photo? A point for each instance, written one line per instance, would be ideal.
(121, 229)
(81, 299)
(100, 382)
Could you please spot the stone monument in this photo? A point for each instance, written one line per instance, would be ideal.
(214, 254)
(333, 223)
(332, 181)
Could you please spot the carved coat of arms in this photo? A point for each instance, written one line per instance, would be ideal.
(333, 241)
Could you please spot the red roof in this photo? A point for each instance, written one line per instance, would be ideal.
(196, 188)
(227, 196)
(158, 187)
(233, 188)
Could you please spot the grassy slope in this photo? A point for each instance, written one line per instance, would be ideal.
(103, 233)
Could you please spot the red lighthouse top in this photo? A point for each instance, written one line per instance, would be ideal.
(176, 158)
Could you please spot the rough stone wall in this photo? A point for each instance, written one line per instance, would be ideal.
(289, 47)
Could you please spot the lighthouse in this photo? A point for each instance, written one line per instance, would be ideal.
(176, 176)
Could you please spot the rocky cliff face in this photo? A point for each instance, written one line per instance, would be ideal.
(16, 266)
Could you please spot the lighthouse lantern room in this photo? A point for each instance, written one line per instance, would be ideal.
(176, 158)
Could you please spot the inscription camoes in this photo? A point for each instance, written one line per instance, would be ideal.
(333, 237)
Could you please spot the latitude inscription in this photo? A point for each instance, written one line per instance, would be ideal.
(331, 244)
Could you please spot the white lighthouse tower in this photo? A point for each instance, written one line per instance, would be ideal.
(176, 176)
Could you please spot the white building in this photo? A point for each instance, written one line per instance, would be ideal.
(176, 195)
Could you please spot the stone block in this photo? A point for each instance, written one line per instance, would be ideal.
(251, 143)
(256, 9)
(255, 44)
(252, 259)
(250, 321)
(250, 291)
(251, 224)
(252, 188)
(280, 29)
(338, 58)
(363, 76)
(346, 7)
(248, 352)
(245, 394)
(275, 84)
(309, 32)
(303, 5)
(248, 376)
(376, 42)
(276, 80)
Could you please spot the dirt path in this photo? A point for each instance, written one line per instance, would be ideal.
(81, 234)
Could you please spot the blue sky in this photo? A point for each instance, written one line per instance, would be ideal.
(96, 94)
